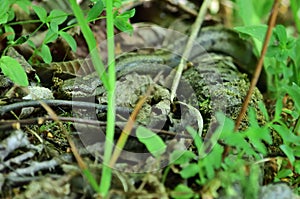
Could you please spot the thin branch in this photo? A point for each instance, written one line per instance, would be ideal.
(16, 124)
(272, 21)
(128, 128)
(189, 45)
(74, 104)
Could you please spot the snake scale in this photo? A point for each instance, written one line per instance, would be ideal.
(219, 64)
(218, 40)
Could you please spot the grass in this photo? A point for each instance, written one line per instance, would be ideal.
(108, 80)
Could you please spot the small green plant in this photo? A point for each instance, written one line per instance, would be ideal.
(9, 66)
(282, 65)
(151, 140)
(281, 62)
(12, 68)
(52, 21)
(212, 168)
(108, 78)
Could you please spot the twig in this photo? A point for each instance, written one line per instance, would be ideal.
(259, 66)
(195, 29)
(183, 7)
(75, 152)
(129, 125)
(77, 104)
(16, 124)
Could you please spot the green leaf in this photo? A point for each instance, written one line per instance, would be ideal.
(288, 151)
(182, 192)
(53, 26)
(117, 3)
(297, 166)
(247, 12)
(3, 18)
(189, 171)
(50, 36)
(41, 13)
(122, 21)
(284, 173)
(72, 22)
(252, 117)
(4, 8)
(278, 109)
(256, 31)
(69, 39)
(181, 157)
(263, 109)
(31, 44)
(57, 16)
(152, 141)
(294, 92)
(237, 140)
(197, 140)
(256, 136)
(226, 125)
(123, 25)
(24, 4)
(11, 15)
(295, 7)
(280, 32)
(95, 11)
(212, 161)
(9, 29)
(91, 178)
(285, 133)
(12, 69)
(128, 14)
(45, 54)
(262, 8)
(296, 149)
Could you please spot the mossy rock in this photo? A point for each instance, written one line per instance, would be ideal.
(219, 86)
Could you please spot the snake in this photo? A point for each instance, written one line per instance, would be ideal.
(215, 39)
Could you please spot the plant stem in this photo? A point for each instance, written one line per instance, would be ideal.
(108, 82)
(295, 7)
(272, 21)
(195, 29)
(110, 129)
(91, 42)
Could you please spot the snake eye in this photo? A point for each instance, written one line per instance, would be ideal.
(91, 4)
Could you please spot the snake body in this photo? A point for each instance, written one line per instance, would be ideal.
(210, 40)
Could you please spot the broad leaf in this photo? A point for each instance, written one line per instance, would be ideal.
(69, 39)
(50, 36)
(247, 12)
(12, 69)
(189, 171)
(122, 21)
(181, 157)
(182, 192)
(41, 13)
(45, 54)
(152, 141)
(95, 11)
(11, 32)
(288, 151)
(57, 16)
(256, 31)
(24, 4)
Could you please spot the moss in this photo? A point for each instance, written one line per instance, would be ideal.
(219, 86)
